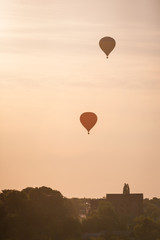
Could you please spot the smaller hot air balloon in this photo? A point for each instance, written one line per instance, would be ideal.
(88, 120)
(107, 44)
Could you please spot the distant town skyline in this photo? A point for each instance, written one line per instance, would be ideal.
(53, 70)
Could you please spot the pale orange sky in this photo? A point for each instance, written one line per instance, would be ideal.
(52, 70)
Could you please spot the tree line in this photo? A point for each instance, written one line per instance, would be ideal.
(45, 214)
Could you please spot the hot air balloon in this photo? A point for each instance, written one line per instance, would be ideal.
(88, 120)
(107, 44)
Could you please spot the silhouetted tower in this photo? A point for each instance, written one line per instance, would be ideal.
(126, 189)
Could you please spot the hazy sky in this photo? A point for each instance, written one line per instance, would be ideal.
(52, 70)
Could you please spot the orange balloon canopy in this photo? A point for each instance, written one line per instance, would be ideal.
(88, 120)
(107, 44)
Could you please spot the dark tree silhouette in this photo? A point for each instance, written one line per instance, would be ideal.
(45, 214)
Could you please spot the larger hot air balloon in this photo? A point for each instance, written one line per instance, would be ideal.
(107, 44)
(88, 120)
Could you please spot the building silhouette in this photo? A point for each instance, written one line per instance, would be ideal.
(127, 204)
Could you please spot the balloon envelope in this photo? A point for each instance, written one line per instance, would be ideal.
(107, 44)
(88, 120)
